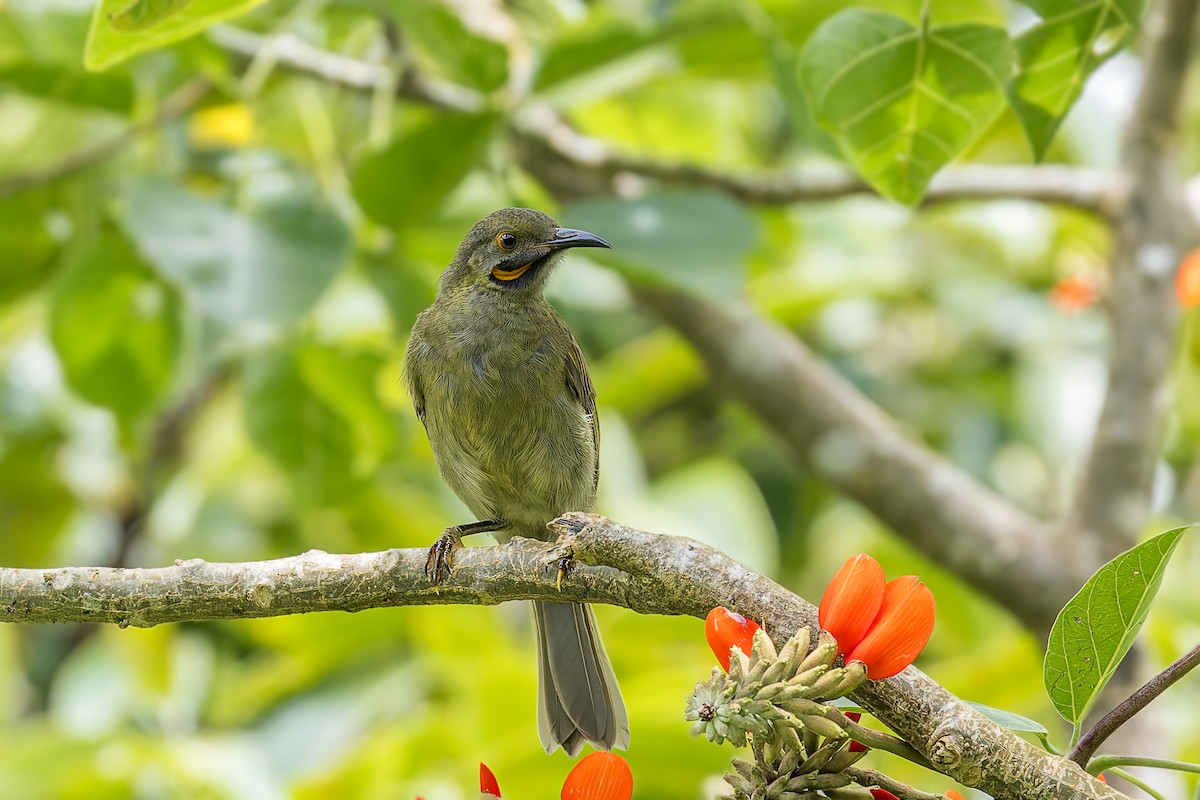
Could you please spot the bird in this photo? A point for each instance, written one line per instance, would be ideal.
(503, 391)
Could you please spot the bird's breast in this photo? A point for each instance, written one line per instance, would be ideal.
(509, 437)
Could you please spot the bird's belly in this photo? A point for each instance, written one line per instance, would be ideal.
(511, 452)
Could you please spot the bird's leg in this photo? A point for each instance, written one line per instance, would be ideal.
(441, 553)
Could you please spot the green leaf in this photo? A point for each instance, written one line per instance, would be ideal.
(698, 241)
(406, 182)
(591, 47)
(1011, 721)
(1096, 628)
(116, 328)
(108, 92)
(445, 44)
(34, 503)
(347, 383)
(301, 410)
(122, 29)
(903, 102)
(268, 265)
(1056, 56)
(26, 247)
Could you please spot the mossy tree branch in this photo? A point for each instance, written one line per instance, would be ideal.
(644, 572)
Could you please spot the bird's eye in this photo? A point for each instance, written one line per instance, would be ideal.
(506, 240)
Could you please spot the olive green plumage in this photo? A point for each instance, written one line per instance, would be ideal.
(504, 393)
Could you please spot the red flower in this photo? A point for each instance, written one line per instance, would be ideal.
(883, 794)
(725, 629)
(488, 787)
(901, 630)
(898, 614)
(1187, 280)
(599, 776)
(856, 747)
(1074, 294)
(852, 600)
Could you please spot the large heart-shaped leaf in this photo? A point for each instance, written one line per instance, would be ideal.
(1097, 626)
(697, 241)
(903, 102)
(1056, 56)
(269, 264)
(123, 28)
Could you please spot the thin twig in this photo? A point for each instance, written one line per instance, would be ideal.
(1087, 189)
(293, 53)
(183, 100)
(1114, 719)
(870, 777)
(1138, 782)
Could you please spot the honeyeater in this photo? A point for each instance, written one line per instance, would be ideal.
(502, 389)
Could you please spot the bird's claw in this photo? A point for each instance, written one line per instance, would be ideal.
(441, 557)
(565, 562)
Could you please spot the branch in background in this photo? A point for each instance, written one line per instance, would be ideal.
(183, 100)
(546, 135)
(293, 53)
(850, 443)
(644, 572)
(1153, 231)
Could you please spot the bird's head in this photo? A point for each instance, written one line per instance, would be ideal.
(513, 250)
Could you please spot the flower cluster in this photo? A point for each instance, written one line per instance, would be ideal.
(775, 701)
(767, 691)
(769, 700)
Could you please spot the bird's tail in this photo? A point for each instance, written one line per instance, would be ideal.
(578, 697)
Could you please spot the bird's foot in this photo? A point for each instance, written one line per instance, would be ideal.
(441, 554)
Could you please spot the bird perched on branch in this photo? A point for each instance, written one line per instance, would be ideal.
(505, 397)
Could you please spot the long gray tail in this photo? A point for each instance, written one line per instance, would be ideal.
(578, 697)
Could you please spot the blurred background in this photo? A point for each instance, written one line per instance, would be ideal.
(211, 255)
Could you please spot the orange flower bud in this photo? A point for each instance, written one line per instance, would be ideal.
(1187, 280)
(953, 795)
(851, 601)
(599, 776)
(488, 787)
(1074, 294)
(725, 629)
(883, 794)
(901, 630)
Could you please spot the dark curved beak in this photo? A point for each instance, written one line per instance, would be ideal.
(570, 237)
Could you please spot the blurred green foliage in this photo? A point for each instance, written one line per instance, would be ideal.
(201, 335)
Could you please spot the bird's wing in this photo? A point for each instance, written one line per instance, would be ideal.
(580, 385)
(411, 379)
